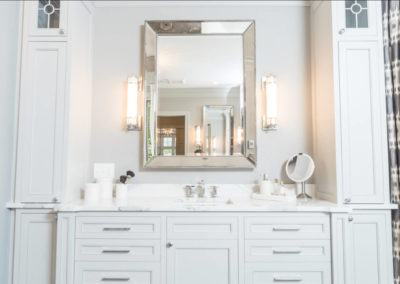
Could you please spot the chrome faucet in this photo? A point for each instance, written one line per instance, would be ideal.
(200, 189)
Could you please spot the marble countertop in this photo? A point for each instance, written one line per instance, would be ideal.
(158, 204)
(169, 198)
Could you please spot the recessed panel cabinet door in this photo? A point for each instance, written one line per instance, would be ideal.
(35, 247)
(41, 122)
(361, 248)
(200, 262)
(363, 123)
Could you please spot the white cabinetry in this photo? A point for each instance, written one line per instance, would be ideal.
(350, 133)
(46, 17)
(41, 122)
(362, 248)
(202, 261)
(35, 243)
(362, 118)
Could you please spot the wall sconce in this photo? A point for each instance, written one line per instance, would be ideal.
(133, 118)
(239, 137)
(269, 118)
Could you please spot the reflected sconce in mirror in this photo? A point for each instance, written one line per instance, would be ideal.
(133, 118)
(197, 131)
(270, 115)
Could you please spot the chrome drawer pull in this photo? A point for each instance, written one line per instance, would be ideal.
(288, 278)
(286, 228)
(116, 229)
(120, 279)
(286, 251)
(115, 251)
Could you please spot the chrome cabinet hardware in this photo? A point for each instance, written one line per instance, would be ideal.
(169, 245)
(61, 32)
(351, 218)
(117, 229)
(115, 279)
(286, 251)
(341, 31)
(287, 278)
(115, 251)
(347, 200)
(286, 228)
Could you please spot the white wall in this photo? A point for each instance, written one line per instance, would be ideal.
(282, 49)
(9, 15)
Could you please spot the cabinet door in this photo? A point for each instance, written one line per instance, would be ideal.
(46, 17)
(41, 122)
(199, 262)
(357, 18)
(363, 123)
(35, 246)
(361, 245)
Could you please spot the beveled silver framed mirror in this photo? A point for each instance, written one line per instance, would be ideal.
(199, 94)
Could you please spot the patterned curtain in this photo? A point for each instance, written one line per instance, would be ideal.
(391, 35)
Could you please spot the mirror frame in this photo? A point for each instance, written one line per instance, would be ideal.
(248, 158)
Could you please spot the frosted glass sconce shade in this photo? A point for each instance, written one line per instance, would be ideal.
(270, 116)
(133, 118)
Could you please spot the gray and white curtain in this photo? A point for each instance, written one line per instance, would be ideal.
(391, 36)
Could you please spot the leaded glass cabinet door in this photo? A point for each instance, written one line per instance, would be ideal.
(357, 17)
(47, 17)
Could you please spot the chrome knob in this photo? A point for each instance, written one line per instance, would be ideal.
(169, 245)
(347, 200)
(351, 218)
(341, 31)
(61, 31)
(55, 199)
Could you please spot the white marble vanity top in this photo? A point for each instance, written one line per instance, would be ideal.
(157, 198)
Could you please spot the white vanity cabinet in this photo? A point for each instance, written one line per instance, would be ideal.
(362, 247)
(34, 247)
(193, 247)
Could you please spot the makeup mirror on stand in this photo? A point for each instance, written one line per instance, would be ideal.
(299, 168)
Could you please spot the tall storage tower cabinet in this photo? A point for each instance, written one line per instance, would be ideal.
(350, 136)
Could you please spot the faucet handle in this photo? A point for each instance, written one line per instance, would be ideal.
(213, 191)
(188, 189)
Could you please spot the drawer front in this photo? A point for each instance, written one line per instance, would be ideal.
(202, 227)
(116, 272)
(287, 227)
(287, 250)
(117, 250)
(271, 273)
(118, 227)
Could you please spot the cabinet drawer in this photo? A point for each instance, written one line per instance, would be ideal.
(287, 227)
(272, 273)
(287, 250)
(117, 250)
(202, 227)
(116, 272)
(118, 227)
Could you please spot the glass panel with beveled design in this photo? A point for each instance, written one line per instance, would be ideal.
(48, 14)
(198, 81)
(356, 13)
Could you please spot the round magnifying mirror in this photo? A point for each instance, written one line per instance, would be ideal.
(299, 168)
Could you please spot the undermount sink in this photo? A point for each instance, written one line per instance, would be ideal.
(206, 201)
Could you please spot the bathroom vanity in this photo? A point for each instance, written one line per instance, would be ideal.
(343, 236)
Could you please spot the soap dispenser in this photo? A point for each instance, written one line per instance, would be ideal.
(266, 186)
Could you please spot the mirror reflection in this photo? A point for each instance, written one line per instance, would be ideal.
(200, 95)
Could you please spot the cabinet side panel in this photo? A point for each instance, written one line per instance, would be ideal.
(80, 99)
(323, 101)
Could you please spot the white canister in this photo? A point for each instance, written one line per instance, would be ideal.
(106, 188)
(121, 191)
(92, 192)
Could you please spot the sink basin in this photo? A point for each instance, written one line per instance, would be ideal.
(201, 201)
